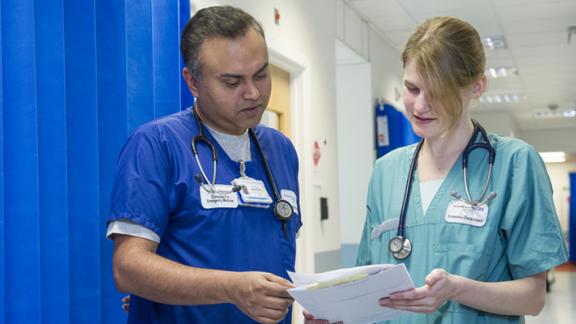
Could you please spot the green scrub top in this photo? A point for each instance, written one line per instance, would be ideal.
(521, 236)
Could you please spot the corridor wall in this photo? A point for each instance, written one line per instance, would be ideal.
(77, 76)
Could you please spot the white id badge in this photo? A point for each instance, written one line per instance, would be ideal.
(290, 196)
(252, 191)
(222, 197)
(464, 213)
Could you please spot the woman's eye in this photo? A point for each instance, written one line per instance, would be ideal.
(413, 90)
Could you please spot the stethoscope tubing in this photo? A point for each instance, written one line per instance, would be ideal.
(279, 204)
(402, 251)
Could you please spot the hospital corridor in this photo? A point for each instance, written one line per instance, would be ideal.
(288, 161)
(561, 299)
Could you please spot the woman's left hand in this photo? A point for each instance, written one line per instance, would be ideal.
(439, 287)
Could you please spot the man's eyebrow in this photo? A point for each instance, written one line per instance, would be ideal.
(240, 76)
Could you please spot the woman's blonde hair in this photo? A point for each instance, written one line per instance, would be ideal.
(448, 56)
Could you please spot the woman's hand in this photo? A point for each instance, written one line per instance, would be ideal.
(439, 287)
(309, 319)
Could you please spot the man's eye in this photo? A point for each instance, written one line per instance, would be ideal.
(261, 76)
(232, 84)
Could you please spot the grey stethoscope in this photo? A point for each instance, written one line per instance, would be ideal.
(282, 208)
(400, 246)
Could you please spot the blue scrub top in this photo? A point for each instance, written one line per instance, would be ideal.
(155, 186)
(521, 237)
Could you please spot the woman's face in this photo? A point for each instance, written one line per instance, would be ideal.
(422, 113)
(423, 117)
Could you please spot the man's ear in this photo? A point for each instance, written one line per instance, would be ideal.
(190, 81)
(479, 87)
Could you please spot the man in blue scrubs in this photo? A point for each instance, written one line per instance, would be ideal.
(196, 239)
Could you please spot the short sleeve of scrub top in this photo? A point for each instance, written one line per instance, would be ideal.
(141, 192)
(531, 226)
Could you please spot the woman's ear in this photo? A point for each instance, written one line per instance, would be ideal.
(479, 87)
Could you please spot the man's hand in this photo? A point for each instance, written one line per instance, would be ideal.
(262, 296)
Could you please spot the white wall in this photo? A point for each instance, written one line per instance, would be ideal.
(500, 123)
(355, 124)
(358, 87)
(386, 71)
(546, 140)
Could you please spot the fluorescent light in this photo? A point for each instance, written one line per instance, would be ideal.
(569, 113)
(501, 98)
(553, 157)
(494, 42)
(501, 71)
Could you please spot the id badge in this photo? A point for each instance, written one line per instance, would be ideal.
(252, 192)
(290, 196)
(464, 213)
(222, 197)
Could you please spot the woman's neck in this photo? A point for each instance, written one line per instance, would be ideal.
(438, 154)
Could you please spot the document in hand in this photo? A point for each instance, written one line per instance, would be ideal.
(351, 294)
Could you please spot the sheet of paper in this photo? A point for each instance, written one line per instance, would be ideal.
(351, 295)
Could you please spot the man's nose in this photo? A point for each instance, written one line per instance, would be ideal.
(251, 92)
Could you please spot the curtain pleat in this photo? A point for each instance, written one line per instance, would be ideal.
(77, 77)
(52, 156)
(22, 227)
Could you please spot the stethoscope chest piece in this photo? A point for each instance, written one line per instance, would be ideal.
(283, 210)
(400, 247)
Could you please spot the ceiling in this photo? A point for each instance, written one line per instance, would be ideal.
(536, 34)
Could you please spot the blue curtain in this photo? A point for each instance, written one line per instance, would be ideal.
(400, 131)
(572, 219)
(77, 77)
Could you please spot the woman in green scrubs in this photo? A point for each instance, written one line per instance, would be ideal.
(468, 267)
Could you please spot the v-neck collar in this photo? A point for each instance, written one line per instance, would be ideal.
(415, 204)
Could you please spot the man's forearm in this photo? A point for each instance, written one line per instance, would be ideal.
(146, 274)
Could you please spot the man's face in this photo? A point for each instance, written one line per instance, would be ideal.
(234, 87)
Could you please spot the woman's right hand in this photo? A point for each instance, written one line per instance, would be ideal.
(309, 319)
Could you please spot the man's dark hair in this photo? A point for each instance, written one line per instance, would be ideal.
(218, 21)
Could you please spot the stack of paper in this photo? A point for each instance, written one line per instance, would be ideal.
(351, 295)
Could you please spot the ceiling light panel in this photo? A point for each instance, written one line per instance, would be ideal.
(493, 43)
(501, 72)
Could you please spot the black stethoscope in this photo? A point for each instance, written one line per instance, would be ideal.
(282, 208)
(400, 246)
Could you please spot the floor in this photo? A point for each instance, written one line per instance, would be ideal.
(561, 302)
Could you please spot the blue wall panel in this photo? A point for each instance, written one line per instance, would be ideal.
(140, 103)
(52, 167)
(111, 62)
(165, 25)
(2, 214)
(82, 140)
(77, 76)
(22, 284)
